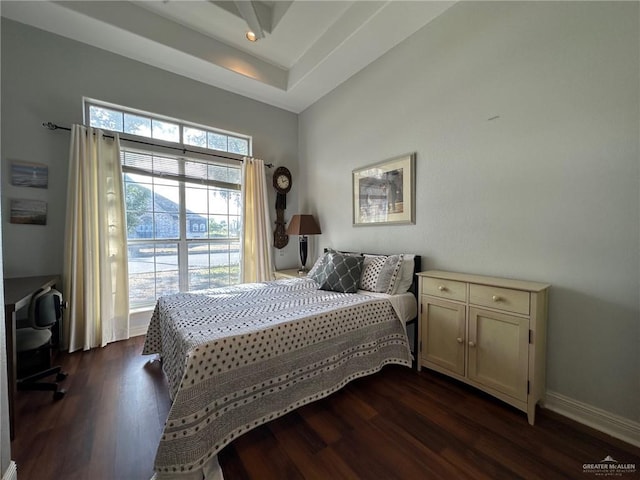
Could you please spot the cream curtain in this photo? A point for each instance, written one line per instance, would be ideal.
(95, 276)
(256, 256)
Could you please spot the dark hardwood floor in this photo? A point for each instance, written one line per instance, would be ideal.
(397, 424)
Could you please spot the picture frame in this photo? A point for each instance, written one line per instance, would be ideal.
(29, 174)
(384, 192)
(28, 212)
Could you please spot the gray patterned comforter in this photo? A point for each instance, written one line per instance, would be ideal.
(237, 357)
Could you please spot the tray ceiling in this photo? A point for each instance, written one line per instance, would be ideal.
(308, 47)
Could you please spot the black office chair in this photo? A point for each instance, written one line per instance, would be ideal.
(33, 341)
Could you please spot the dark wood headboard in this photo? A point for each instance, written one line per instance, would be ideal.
(417, 268)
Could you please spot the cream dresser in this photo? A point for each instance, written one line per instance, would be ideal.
(488, 332)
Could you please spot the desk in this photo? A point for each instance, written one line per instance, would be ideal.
(17, 294)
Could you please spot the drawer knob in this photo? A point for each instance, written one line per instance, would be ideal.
(442, 288)
(496, 298)
(459, 340)
(472, 344)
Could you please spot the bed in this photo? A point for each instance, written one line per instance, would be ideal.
(236, 357)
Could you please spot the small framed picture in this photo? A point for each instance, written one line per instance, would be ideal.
(26, 174)
(28, 212)
(384, 193)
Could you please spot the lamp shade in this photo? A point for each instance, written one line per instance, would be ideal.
(303, 225)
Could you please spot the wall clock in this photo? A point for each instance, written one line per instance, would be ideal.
(282, 180)
(282, 183)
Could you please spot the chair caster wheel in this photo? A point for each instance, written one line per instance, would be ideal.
(58, 394)
(61, 376)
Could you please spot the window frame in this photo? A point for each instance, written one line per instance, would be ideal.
(155, 146)
(182, 124)
(185, 239)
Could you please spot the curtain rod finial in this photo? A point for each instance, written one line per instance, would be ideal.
(49, 125)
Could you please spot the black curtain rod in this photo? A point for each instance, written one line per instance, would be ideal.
(53, 126)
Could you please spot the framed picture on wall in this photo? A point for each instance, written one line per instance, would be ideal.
(28, 212)
(384, 193)
(27, 174)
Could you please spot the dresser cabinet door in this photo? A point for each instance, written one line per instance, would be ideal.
(443, 334)
(498, 349)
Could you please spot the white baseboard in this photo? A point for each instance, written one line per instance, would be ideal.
(137, 331)
(11, 473)
(139, 322)
(609, 423)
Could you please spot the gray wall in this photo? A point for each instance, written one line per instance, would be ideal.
(549, 191)
(5, 442)
(44, 78)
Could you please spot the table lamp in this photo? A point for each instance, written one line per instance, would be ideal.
(303, 225)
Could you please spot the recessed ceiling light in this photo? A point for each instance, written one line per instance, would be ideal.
(251, 36)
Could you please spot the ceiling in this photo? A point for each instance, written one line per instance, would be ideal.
(308, 47)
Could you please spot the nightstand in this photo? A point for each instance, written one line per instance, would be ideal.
(288, 273)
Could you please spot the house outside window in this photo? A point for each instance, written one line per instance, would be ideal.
(183, 212)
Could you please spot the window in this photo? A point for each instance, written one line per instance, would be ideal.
(120, 119)
(183, 214)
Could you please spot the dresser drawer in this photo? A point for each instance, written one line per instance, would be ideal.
(445, 288)
(506, 299)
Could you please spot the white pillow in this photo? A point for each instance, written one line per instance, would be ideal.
(405, 278)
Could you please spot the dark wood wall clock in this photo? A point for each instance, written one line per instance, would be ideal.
(282, 184)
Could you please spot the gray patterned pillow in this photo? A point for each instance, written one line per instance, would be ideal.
(341, 273)
(380, 273)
